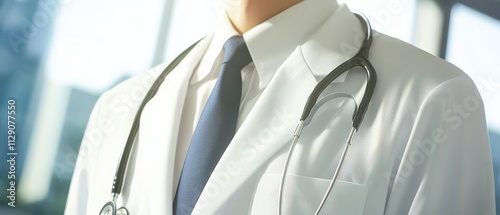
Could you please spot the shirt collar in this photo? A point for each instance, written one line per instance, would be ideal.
(271, 42)
(223, 32)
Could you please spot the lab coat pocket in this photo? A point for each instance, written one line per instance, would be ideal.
(302, 196)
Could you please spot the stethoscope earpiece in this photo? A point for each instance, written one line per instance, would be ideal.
(122, 211)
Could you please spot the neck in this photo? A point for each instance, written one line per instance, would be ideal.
(246, 14)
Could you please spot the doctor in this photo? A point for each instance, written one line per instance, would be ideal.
(421, 149)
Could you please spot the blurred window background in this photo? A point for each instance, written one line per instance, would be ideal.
(58, 56)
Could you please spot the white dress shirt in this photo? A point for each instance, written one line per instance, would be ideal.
(269, 43)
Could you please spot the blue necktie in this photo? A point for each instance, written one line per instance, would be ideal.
(216, 127)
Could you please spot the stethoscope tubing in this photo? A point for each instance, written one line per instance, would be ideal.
(359, 60)
(337, 172)
(118, 180)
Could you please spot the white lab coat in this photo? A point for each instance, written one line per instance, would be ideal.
(421, 149)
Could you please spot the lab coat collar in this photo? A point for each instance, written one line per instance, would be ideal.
(271, 42)
(223, 32)
(267, 130)
(338, 40)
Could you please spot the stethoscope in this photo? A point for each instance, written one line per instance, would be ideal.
(359, 60)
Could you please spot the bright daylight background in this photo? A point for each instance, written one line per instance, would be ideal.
(58, 56)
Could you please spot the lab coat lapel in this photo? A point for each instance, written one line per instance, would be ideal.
(272, 121)
(267, 128)
(158, 133)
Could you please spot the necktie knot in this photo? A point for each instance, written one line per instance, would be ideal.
(236, 52)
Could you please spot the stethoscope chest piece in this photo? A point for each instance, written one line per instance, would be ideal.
(110, 209)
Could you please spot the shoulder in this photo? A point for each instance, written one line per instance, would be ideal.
(135, 86)
(138, 85)
(400, 59)
(400, 65)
